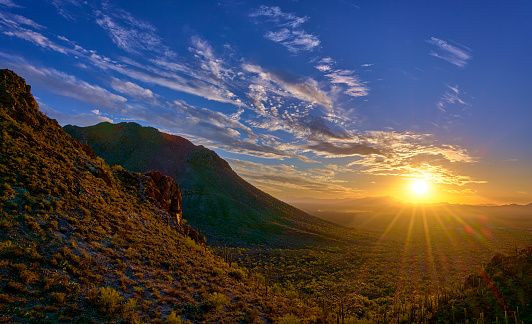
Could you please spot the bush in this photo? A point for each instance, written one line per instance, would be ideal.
(129, 306)
(217, 300)
(189, 243)
(109, 300)
(173, 318)
(289, 319)
(238, 274)
(58, 297)
(217, 272)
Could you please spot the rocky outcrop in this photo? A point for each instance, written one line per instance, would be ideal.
(193, 234)
(164, 191)
(17, 100)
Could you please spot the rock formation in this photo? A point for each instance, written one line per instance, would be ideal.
(164, 191)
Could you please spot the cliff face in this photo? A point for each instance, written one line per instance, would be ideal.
(164, 191)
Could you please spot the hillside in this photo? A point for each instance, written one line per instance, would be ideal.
(82, 242)
(226, 208)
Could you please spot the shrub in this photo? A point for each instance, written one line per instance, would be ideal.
(58, 297)
(173, 318)
(54, 225)
(189, 243)
(238, 274)
(129, 306)
(109, 300)
(217, 272)
(28, 277)
(5, 247)
(289, 319)
(139, 290)
(217, 300)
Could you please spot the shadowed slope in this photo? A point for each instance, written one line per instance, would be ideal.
(224, 206)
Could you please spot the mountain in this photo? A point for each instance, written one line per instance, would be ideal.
(226, 208)
(81, 242)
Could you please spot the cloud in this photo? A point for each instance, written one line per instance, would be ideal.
(12, 26)
(169, 79)
(83, 119)
(129, 33)
(323, 172)
(294, 40)
(65, 7)
(413, 155)
(458, 55)
(333, 150)
(213, 66)
(280, 18)
(453, 108)
(134, 90)
(290, 34)
(207, 116)
(9, 4)
(450, 97)
(64, 84)
(287, 177)
(323, 68)
(307, 90)
(17, 20)
(355, 87)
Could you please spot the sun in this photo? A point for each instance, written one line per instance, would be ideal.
(420, 187)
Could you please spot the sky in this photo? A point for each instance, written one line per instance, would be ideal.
(320, 99)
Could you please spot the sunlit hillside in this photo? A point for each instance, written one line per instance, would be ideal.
(82, 242)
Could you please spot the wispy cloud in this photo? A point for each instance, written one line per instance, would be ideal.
(307, 90)
(457, 54)
(214, 68)
(294, 40)
(290, 34)
(451, 96)
(279, 17)
(355, 87)
(134, 90)
(82, 119)
(13, 19)
(128, 32)
(12, 25)
(288, 177)
(9, 4)
(352, 85)
(65, 84)
(453, 108)
(347, 149)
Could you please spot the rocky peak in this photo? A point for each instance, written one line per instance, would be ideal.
(17, 100)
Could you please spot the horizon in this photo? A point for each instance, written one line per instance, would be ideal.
(425, 103)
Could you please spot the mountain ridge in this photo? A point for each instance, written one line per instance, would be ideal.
(226, 208)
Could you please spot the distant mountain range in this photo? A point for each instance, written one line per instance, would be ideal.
(365, 212)
(225, 207)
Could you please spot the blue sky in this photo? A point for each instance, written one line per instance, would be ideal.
(304, 98)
